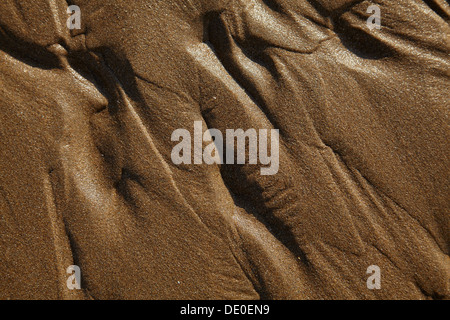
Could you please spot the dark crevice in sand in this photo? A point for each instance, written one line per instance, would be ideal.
(319, 8)
(9, 209)
(179, 94)
(380, 192)
(273, 5)
(208, 19)
(359, 43)
(275, 226)
(96, 68)
(72, 245)
(404, 210)
(437, 296)
(247, 268)
(115, 82)
(234, 71)
(29, 53)
(256, 278)
(122, 185)
(132, 106)
(439, 7)
(3, 195)
(397, 205)
(279, 205)
(264, 215)
(55, 229)
(392, 204)
(85, 65)
(264, 277)
(401, 207)
(64, 250)
(308, 52)
(389, 201)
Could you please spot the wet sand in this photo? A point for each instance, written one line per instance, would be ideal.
(86, 176)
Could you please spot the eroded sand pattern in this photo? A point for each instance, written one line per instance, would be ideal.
(86, 176)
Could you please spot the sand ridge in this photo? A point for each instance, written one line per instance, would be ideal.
(86, 176)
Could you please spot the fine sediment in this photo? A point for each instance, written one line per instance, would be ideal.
(86, 176)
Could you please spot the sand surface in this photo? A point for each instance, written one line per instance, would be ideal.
(86, 176)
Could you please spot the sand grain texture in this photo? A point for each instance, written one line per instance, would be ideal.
(86, 176)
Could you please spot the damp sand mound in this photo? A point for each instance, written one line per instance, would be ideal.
(86, 176)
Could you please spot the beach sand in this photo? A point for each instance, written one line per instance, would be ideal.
(86, 176)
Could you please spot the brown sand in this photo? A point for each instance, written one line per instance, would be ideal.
(86, 176)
